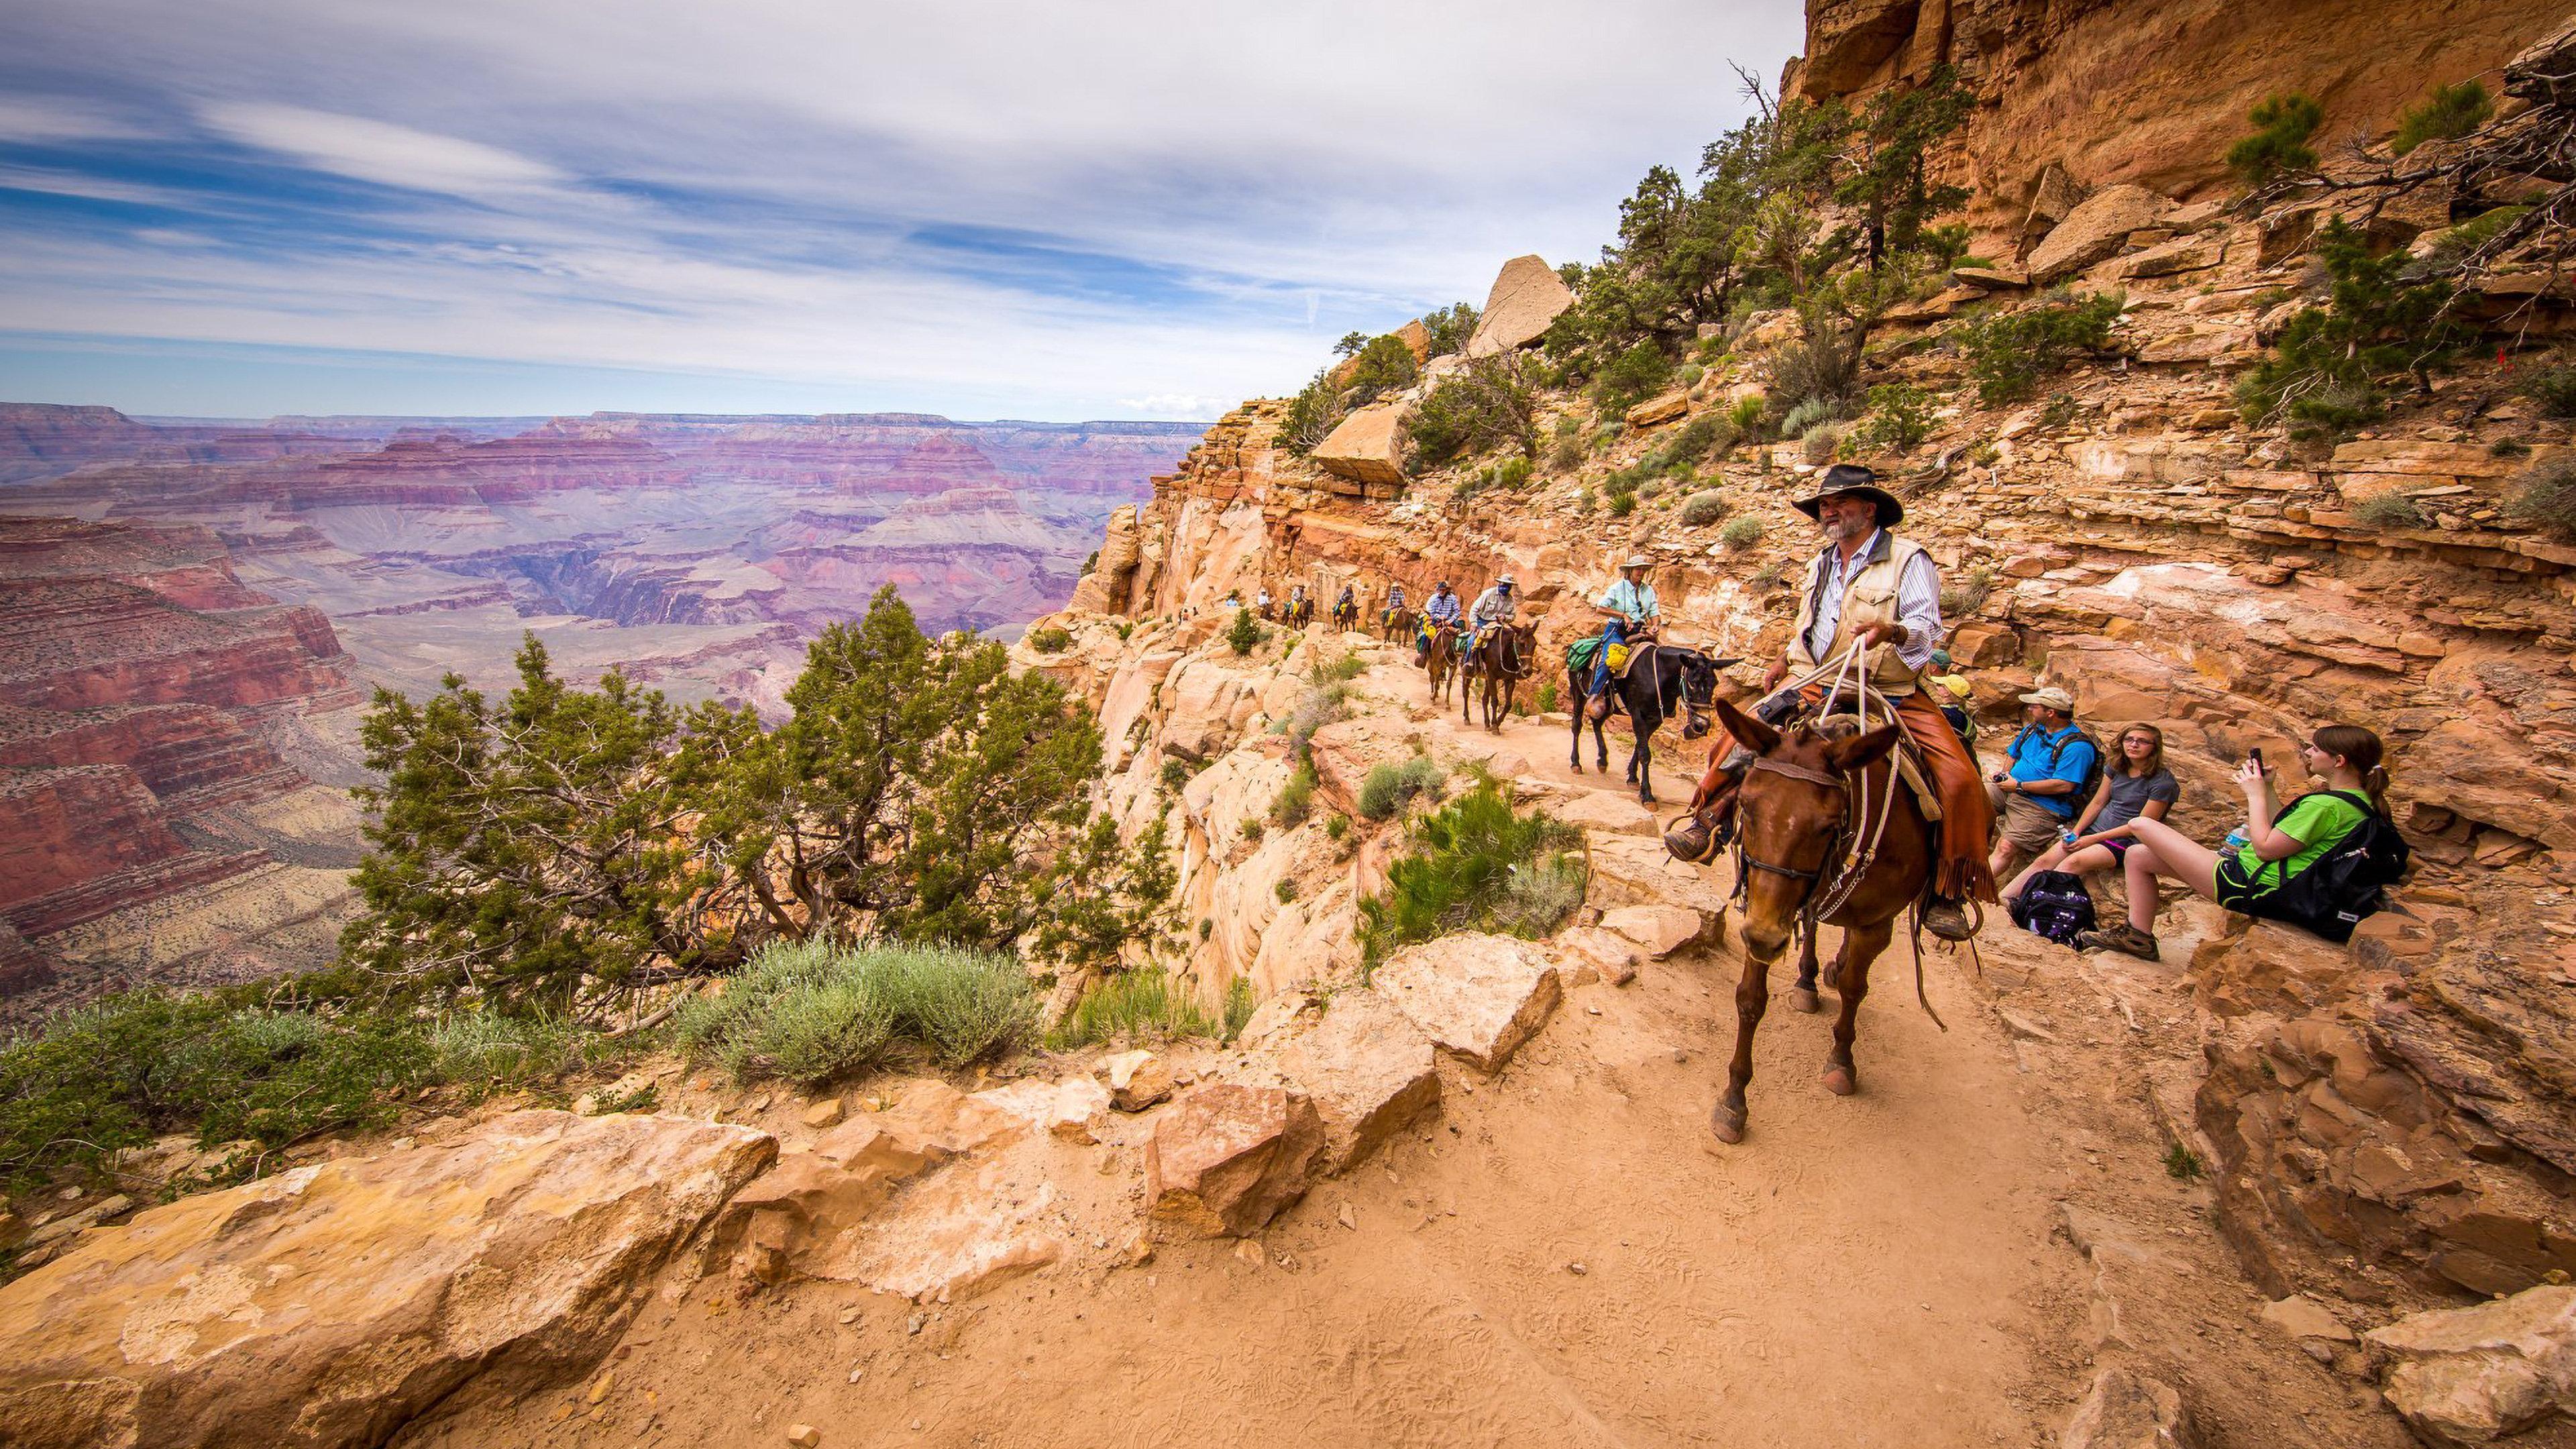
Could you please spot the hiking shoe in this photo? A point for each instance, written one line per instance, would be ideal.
(1945, 920)
(2124, 938)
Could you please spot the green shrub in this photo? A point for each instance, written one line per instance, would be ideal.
(2453, 248)
(1566, 452)
(1746, 414)
(1489, 403)
(1806, 417)
(1650, 488)
(2546, 498)
(1741, 533)
(130, 1068)
(1546, 699)
(1388, 788)
(1900, 417)
(1820, 443)
(2450, 110)
(2326, 373)
(1285, 889)
(1336, 826)
(1689, 374)
(1175, 774)
(1239, 1000)
(1450, 327)
(2389, 510)
(1134, 1004)
(1512, 473)
(1245, 636)
(2057, 412)
(1126, 630)
(2508, 448)
(1631, 377)
(1474, 865)
(2552, 385)
(1346, 665)
(1585, 500)
(1704, 508)
(1708, 433)
(486, 1051)
(809, 1011)
(1382, 366)
(1812, 370)
(2282, 126)
(2009, 352)
(1296, 799)
(1051, 640)
(1252, 828)
(1622, 504)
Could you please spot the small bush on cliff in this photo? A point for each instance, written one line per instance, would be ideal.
(1631, 377)
(810, 1011)
(1051, 640)
(1490, 403)
(2546, 498)
(1383, 366)
(2450, 110)
(2010, 352)
(1389, 788)
(1900, 418)
(1296, 799)
(1239, 1000)
(1704, 508)
(1450, 327)
(1741, 533)
(1245, 635)
(2329, 370)
(2390, 510)
(2552, 385)
(2279, 143)
(1474, 865)
(1137, 1005)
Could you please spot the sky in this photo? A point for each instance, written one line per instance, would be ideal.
(239, 208)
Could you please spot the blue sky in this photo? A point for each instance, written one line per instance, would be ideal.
(248, 207)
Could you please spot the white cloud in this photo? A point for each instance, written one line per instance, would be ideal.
(379, 151)
(1179, 406)
(48, 119)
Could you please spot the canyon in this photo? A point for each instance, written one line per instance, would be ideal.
(197, 612)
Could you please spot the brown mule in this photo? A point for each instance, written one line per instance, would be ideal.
(1501, 662)
(1803, 845)
(1441, 663)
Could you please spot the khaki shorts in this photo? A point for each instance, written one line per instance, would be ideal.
(2031, 825)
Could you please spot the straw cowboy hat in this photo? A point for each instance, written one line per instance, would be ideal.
(1851, 480)
(1637, 561)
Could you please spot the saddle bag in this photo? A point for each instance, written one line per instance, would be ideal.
(2055, 905)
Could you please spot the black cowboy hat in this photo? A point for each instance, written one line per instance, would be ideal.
(1853, 480)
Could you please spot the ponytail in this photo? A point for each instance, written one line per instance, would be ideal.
(2362, 750)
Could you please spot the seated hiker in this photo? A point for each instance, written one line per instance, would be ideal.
(1950, 690)
(2258, 870)
(1496, 605)
(1438, 610)
(2052, 763)
(1628, 609)
(1871, 590)
(2136, 787)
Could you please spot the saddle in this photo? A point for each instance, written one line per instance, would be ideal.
(1834, 719)
(1581, 654)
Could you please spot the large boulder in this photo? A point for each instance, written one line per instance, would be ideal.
(2095, 230)
(1476, 996)
(330, 1304)
(2128, 1411)
(1226, 1158)
(1527, 296)
(2473, 1375)
(1368, 447)
(1369, 1070)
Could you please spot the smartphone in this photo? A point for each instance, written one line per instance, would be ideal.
(2255, 753)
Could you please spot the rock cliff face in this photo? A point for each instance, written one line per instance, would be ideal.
(2149, 91)
(140, 683)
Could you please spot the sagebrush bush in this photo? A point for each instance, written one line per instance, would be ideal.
(2545, 497)
(1473, 865)
(2009, 352)
(810, 1011)
(1051, 640)
(1806, 417)
(1387, 789)
(2390, 510)
(1137, 1005)
(1820, 443)
(1704, 508)
(1296, 799)
(1817, 369)
(1741, 533)
(488, 1051)
(2552, 386)
(1746, 414)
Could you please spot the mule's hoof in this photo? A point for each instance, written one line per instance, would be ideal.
(1840, 1082)
(1801, 999)
(1728, 1123)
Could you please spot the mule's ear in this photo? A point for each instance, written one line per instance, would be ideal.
(1862, 751)
(1749, 732)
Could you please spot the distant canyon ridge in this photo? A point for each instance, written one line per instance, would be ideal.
(193, 613)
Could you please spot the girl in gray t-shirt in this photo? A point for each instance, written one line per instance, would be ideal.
(2137, 785)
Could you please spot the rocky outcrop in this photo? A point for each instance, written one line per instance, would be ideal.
(1367, 447)
(1226, 1158)
(2476, 1375)
(2143, 91)
(1526, 297)
(331, 1303)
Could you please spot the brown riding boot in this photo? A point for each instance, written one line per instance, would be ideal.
(1946, 920)
(1599, 709)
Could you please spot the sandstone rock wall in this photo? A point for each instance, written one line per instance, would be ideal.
(2150, 92)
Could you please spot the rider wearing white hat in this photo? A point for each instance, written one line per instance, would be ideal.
(1627, 607)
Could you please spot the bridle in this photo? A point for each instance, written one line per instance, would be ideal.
(1856, 822)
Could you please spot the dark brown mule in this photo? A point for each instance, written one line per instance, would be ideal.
(1441, 663)
(1399, 626)
(1810, 851)
(1500, 663)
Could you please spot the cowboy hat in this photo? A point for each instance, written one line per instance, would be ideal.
(1854, 481)
(1504, 582)
(2051, 697)
(1638, 561)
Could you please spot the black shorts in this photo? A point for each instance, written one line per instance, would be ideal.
(2235, 891)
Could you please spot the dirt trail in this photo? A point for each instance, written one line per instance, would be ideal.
(1865, 1271)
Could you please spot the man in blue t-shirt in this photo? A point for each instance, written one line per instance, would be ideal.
(2036, 796)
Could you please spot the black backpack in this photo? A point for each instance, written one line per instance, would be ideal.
(2346, 883)
(2055, 905)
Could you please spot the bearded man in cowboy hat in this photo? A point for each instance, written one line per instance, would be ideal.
(1629, 610)
(1870, 589)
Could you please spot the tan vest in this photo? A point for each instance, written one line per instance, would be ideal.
(1869, 599)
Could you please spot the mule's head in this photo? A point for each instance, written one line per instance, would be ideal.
(1699, 694)
(1789, 813)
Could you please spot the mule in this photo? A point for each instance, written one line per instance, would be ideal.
(1399, 626)
(1346, 616)
(1441, 661)
(1826, 836)
(1661, 677)
(1499, 664)
(1301, 613)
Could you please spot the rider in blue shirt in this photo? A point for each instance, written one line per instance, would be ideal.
(1441, 608)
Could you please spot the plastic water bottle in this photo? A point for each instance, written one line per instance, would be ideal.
(2235, 840)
